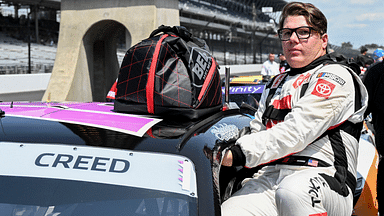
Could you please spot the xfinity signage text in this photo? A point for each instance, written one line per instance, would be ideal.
(252, 89)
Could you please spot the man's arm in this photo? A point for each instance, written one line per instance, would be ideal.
(310, 117)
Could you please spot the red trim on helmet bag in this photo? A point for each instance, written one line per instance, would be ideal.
(149, 133)
(151, 76)
(208, 79)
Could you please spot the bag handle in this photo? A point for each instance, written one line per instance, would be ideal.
(161, 29)
(180, 31)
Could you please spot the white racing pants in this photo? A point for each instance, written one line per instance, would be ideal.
(288, 190)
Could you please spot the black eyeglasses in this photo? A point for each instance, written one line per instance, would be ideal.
(303, 32)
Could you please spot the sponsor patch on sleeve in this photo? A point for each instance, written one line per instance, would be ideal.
(331, 76)
(323, 88)
(300, 80)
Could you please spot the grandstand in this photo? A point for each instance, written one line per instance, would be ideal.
(237, 31)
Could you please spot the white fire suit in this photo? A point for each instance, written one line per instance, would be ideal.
(307, 135)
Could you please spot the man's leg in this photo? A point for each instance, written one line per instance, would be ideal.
(308, 193)
(256, 197)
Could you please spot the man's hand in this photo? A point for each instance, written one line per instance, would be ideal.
(227, 159)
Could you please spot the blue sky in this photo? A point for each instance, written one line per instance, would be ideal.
(357, 21)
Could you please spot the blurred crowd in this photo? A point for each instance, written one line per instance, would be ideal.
(365, 61)
(17, 28)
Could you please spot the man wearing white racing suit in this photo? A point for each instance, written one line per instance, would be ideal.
(305, 132)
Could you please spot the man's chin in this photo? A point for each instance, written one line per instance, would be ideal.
(296, 62)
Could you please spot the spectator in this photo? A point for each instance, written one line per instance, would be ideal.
(306, 129)
(284, 66)
(270, 68)
(363, 60)
(378, 55)
(374, 82)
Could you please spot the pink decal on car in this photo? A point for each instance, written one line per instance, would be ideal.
(92, 114)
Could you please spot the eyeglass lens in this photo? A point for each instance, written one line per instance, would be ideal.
(301, 32)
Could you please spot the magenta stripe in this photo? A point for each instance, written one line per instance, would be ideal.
(96, 114)
(131, 123)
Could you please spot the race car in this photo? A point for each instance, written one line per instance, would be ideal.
(244, 90)
(84, 159)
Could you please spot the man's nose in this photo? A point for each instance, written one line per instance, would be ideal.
(294, 37)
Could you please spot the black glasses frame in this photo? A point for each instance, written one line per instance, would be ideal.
(279, 32)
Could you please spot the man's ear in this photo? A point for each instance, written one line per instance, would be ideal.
(324, 39)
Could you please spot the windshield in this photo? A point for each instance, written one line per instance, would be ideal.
(23, 196)
(53, 180)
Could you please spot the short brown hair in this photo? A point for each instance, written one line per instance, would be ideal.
(314, 17)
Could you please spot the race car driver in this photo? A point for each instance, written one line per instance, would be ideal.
(305, 131)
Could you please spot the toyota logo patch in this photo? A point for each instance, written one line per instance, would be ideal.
(323, 88)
